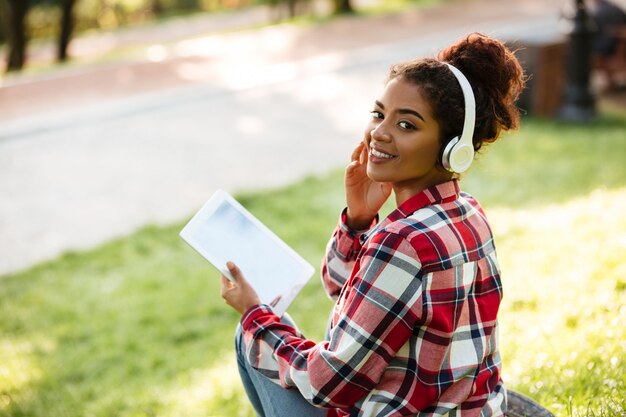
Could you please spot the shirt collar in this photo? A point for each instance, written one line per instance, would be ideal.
(441, 193)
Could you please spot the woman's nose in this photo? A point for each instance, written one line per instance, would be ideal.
(380, 133)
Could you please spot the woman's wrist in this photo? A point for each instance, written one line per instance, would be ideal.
(358, 222)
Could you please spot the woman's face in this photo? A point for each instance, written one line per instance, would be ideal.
(402, 140)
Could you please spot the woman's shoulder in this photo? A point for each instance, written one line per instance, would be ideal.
(419, 228)
(439, 231)
(433, 217)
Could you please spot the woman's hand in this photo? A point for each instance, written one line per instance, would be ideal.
(239, 295)
(364, 197)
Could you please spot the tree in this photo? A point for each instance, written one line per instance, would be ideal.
(291, 6)
(15, 22)
(343, 7)
(67, 25)
(157, 7)
(279, 6)
(16, 33)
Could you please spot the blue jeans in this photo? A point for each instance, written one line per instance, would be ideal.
(268, 398)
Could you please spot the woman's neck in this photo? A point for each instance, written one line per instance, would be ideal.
(403, 190)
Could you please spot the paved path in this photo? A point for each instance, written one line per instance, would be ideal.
(90, 155)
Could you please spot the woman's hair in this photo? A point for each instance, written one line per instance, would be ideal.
(496, 78)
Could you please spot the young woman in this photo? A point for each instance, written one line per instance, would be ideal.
(413, 330)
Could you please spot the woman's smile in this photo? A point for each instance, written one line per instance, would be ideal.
(377, 156)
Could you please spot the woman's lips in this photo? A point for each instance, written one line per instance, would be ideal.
(377, 155)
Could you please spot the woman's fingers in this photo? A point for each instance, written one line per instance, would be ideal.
(240, 279)
(234, 271)
(352, 167)
(226, 282)
(363, 154)
(356, 153)
(358, 158)
(226, 287)
(239, 295)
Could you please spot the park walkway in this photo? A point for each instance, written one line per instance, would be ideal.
(160, 51)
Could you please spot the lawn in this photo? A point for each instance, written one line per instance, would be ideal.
(136, 327)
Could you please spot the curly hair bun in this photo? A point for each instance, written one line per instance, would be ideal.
(497, 80)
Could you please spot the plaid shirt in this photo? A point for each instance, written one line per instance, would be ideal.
(413, 330)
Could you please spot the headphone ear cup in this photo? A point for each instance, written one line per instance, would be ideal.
(457, 156)
(446, 155)
(461, 157)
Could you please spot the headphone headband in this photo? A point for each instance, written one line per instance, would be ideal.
(459, 153)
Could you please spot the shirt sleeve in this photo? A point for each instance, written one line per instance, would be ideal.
(341, 253)
(375, 317)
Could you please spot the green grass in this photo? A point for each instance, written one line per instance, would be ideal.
(136, 327)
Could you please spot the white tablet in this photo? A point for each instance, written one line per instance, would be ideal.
(223, 230)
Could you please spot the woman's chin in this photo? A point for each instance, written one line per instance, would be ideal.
(377, 176)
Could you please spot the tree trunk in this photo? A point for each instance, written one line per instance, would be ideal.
(343, 7)
(67, 25)
(291, 5)
(157, 8)
(17, 34)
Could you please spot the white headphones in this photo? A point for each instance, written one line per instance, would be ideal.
(459, 152)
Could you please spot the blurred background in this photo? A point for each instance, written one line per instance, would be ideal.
(119, 118)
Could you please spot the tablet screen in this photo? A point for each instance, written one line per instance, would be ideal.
(223, 230)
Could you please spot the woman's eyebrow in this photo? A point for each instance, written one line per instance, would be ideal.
(413, 112)
(403, 111)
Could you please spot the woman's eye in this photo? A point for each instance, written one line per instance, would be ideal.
(406, 125)
(376, 114)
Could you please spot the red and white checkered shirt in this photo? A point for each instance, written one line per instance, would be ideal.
(413, 330)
